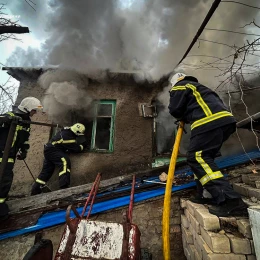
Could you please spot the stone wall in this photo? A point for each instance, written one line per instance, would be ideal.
(147, 216)
(207, 237)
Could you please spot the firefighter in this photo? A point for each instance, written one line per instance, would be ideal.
(27, 108)
(56, 154)
(211, 125)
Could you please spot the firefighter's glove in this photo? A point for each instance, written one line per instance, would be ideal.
(21, 155)
(177, 122)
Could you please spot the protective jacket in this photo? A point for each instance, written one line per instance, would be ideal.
(22, 133)
(198, 105)
(66, 141)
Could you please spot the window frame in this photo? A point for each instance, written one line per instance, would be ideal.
(112, 126)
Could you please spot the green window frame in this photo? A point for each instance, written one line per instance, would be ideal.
(104, 110)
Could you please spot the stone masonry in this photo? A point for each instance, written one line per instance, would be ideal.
(207, 237)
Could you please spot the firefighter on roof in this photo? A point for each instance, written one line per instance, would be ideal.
(56, 154)
(20, 145)
(211, 125)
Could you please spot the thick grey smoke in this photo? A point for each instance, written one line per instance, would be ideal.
(65, 93)
(149, 36)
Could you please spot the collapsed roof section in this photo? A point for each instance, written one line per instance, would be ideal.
(104, 76)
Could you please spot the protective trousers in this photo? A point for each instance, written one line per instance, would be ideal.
(53, 157)
(201, 154)
(5, 185)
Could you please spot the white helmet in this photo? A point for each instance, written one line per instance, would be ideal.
(30, 103)
(78, 129)
(177, 77)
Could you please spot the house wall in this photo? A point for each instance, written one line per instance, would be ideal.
(132, 142)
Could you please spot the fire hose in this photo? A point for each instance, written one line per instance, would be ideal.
(167, 196)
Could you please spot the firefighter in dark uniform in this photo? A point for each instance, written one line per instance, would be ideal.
(211, 125)
(20, 145)
(56, 154)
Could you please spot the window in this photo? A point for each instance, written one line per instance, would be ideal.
(103, 126)
(99, 124)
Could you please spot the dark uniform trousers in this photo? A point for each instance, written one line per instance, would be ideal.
(7, 178)
(201, 154)
(55, 157)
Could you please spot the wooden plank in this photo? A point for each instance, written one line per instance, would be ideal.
(52, 198)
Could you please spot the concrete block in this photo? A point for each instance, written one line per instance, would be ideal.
(239, 245)
(195, 224)
(192, 206)
(217, 243)
(250, 179)
(206, 220)
(187, 234)
(183, 203)
(226, 257)
(253, 192)
(244, 227)
(241, 188)
(184, 221)
(184, 241)
(205, 251)
(251, 257)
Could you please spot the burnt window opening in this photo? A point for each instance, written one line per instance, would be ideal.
(103, 126)
(99, 127)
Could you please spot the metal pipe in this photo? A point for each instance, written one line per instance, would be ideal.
(8, 146)
(168, 193)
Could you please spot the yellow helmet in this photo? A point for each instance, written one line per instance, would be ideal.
(78, 129)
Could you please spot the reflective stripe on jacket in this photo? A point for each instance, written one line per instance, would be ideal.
(198, 105)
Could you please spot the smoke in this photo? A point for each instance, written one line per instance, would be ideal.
(136, 35)
(65, 94)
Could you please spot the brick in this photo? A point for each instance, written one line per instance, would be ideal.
(195, 224)
(187, 253)
(244, 227)
(252, 247)
(250, 178)
(184, 241)
(198, 248)
(193, 232)
(183, 203)
(205, 251)
(225, 257)
(187, 234)
(216, 242)
(197, 256)
(191, 249)
(239, 245)
(253, 192)
(184, 221)
(251, 257)
(187, 214)
(193, 206)
(206, 220)
(241, 188)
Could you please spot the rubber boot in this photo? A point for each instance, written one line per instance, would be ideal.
(4, 211)
(231, 207)
(36, 189)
